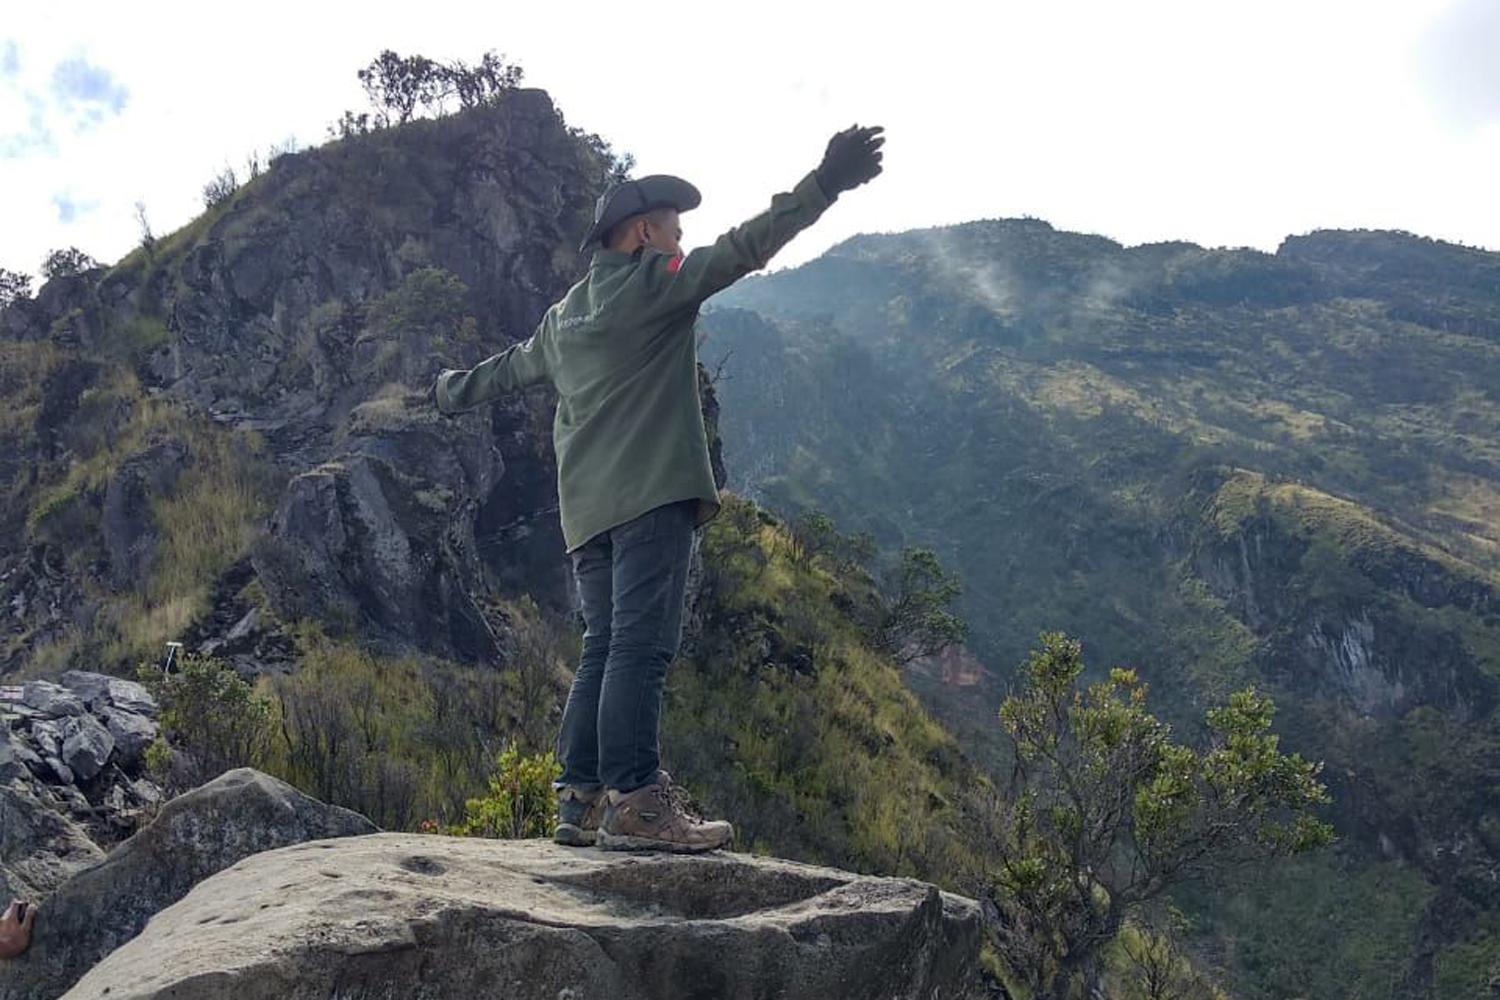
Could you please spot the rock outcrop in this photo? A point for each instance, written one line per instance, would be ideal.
(40, 847)
(306, 316)
(403, 915)
(240, 813)
(75, 748)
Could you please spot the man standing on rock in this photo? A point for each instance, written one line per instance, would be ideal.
(634, 479)
(15, 928)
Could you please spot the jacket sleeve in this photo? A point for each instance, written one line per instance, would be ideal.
(678, 283)
(517, 367)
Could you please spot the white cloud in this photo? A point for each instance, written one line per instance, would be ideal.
(70, 207)
(86, 93)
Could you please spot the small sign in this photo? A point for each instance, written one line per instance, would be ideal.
(10, 692)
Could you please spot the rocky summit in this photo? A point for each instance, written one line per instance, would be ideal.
(404, 915)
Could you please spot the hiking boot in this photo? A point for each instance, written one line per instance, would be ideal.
(579, 809)
(654, 817)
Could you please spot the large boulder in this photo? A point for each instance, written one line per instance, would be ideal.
(403, 915)
(99, 691)
(240, 813)
(40, 848)
(132, 733)
(353, 542)
(51, 700)
(86, 747)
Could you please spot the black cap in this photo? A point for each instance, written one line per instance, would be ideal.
(628, 198)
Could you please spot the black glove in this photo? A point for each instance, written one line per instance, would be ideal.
(852, 157)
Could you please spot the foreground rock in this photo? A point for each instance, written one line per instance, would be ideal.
(402, 915)
(40, 848)
(76, 748)
(240, 813)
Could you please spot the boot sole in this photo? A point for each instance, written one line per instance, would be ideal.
(573, 836)
(626, 842)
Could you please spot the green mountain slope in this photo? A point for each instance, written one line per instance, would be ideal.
(1222, 467)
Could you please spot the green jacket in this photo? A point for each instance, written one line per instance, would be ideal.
(620, 350)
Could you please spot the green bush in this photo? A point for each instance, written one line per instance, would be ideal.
(1104, 812)
(521, 801)
(210, 713)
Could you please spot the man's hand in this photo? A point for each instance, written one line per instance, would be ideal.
(852, 158)
(15, 931)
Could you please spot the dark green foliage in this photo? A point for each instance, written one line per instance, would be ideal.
(400, 86)
(617, 165)
(66, 263)
(14, 287)
(429, 299)
(211, 714)
(223, 185)
(418, 327)
(397, 86)
(910, 616)
(1103, 812)
(812, 533)
(476, 86)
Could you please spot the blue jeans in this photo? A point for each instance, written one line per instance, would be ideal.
(631, 580)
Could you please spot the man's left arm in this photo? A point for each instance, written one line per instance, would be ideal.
(517, 367)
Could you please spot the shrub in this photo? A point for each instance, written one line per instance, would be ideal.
(67, 263)
(14, 287)
(1104, 812)
(521, 801)
(210, 713)
(223, 186)
(911, 617)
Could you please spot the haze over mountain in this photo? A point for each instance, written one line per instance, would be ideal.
(1219, 466)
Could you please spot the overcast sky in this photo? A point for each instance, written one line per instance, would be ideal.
(1227, 123)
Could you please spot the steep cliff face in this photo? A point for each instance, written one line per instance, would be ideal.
(234, 419)
(1345, 604)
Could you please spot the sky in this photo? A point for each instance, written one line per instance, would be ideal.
(1226, 123)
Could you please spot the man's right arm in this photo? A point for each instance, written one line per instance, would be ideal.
(678, 283)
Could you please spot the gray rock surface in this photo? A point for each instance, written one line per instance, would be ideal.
(132, 733)
(86, 746)
(240, 813)
(86, 684)
(39, 847)
(50, 699)
(129, 530)
(403, 915)
(103, 690)
(12, 764)
(48, 737)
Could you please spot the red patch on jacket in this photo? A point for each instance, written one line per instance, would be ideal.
(674, 264)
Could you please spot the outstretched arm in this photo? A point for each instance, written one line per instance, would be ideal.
(516, 367)
(851, 159)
